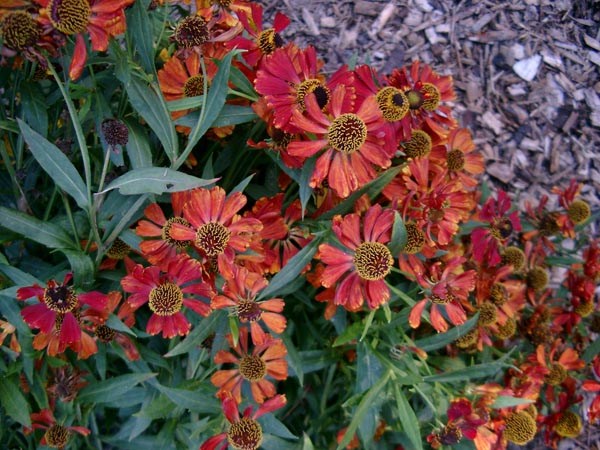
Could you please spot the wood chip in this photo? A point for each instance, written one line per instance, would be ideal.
(528, 68)
(310, 22)
(423, 5)
(594, 57)
(501, 171)
(366, 8)
(591, 42)
(492, 121)
(384, 16)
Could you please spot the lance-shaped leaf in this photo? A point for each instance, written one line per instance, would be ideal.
(13, 401)
(44, 233)
(399, 236)
(408, 418)
(155, 180)
(56, 164)
(111, 389)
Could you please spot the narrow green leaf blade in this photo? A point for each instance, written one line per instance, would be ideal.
(155, 180)
(44, 233)
(198, 334)
(398, 241)
(507, 401)
(139, 29)
(35, 108)
(408, 418)
(82, 267)
(56, 164)
(13, 401)
(442, 339)
(195, 401)
(111, 389)
(138, 146)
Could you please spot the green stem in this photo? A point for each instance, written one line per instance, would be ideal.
(50, 204)
(70, 217)
(252, 98)
(104, 171)
(11, 171)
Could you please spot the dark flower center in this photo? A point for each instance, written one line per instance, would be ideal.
(118, 250)
(418, 145)
(166, 232)
(115, 132)
(373, 261)
(69, 16)
(245, 434)
(268, 40)
(579, 211)
(57, 436)
(105, 334)
(248, 311)
(392, 103)
(347, 133)
(19, 30)
(456, 160)
(415, 239)
(502, 228)
(253, 368)
(431, 97)
(191, 32)
(166, 299)
(60, 299)
(321, 92)
(213, 238)
(194, 86)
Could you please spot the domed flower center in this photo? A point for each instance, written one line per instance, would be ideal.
(166, 299)
(19, 30)
(579, 211)
(584, 309)
(69, 16)
(245, 434)
(60, 299)
(520, 428)
(222, 3)
(57, 436)
(280, 138)
(502, 228)
(253, 368)
(213, 238)
(194, 86)
(415, 99)
(419, 144)
(431, 97)
(537, 278)
(373, 261)
(456, 160)
(548, 224)
(557, 374)
(268, 40)
(498, 294)
(321, 92)
(569, 425)
(468, 339)
(191, 32)
(507, 330)
(166, 232)
(442, 300)
(115, 132)
(248, 311)
(105, 334)
(513, 256)
(487, 314)
(392, 103)
(118, 250)
(347, 133)
(415, 239)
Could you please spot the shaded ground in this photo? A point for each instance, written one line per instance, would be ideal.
(526, 72)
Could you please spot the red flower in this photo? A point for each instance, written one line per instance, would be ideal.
(350, 139)
(486, 241)
(244, 432)
(362, 262)
(239, 293)
(102, 19)
(264, 41)
(446, 285)
(57, 316)
(56, 435)
(166, 294)
(576, 212)
(216, 229)
(266, 359)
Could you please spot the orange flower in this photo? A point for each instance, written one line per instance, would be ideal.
(102, 19)
(266, 359)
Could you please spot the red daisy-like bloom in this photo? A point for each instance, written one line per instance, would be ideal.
(56, 435)
(577, 211)
(167, 293)
(239, 293)
(266, 359)
(263, 41)
(425, 91)
(244, 432)
(353, 147)
(288, 75)
(57, 316)
(163, 248)
(363, 262)
(486, 241)
(446, 285)
(102, 19)
(216, 229)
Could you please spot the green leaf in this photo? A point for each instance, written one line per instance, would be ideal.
(372, 189)
(468, 373)
(198, 334)
(19, 277)
(117, 324)
(291, 270)
(139, 29)
(215, 100)
(307, 443)
(408, 418)
(241, 82)
(195, 401)
(241, 186)
(349, 334)
(35, 107)
(138, 146)
(399, 236)
(44, 233)
(365, 404)
(271, 425)
(304, 190)
(293, 357)
(234, 330)
(506, 401)
(234, 115)
(151, 106)
(111, 389)
(368, 368)
(591, 351)
(82, 267)
(56, 164)
(13, 401)
(368, 323)
(155, 180)
(440, 340)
